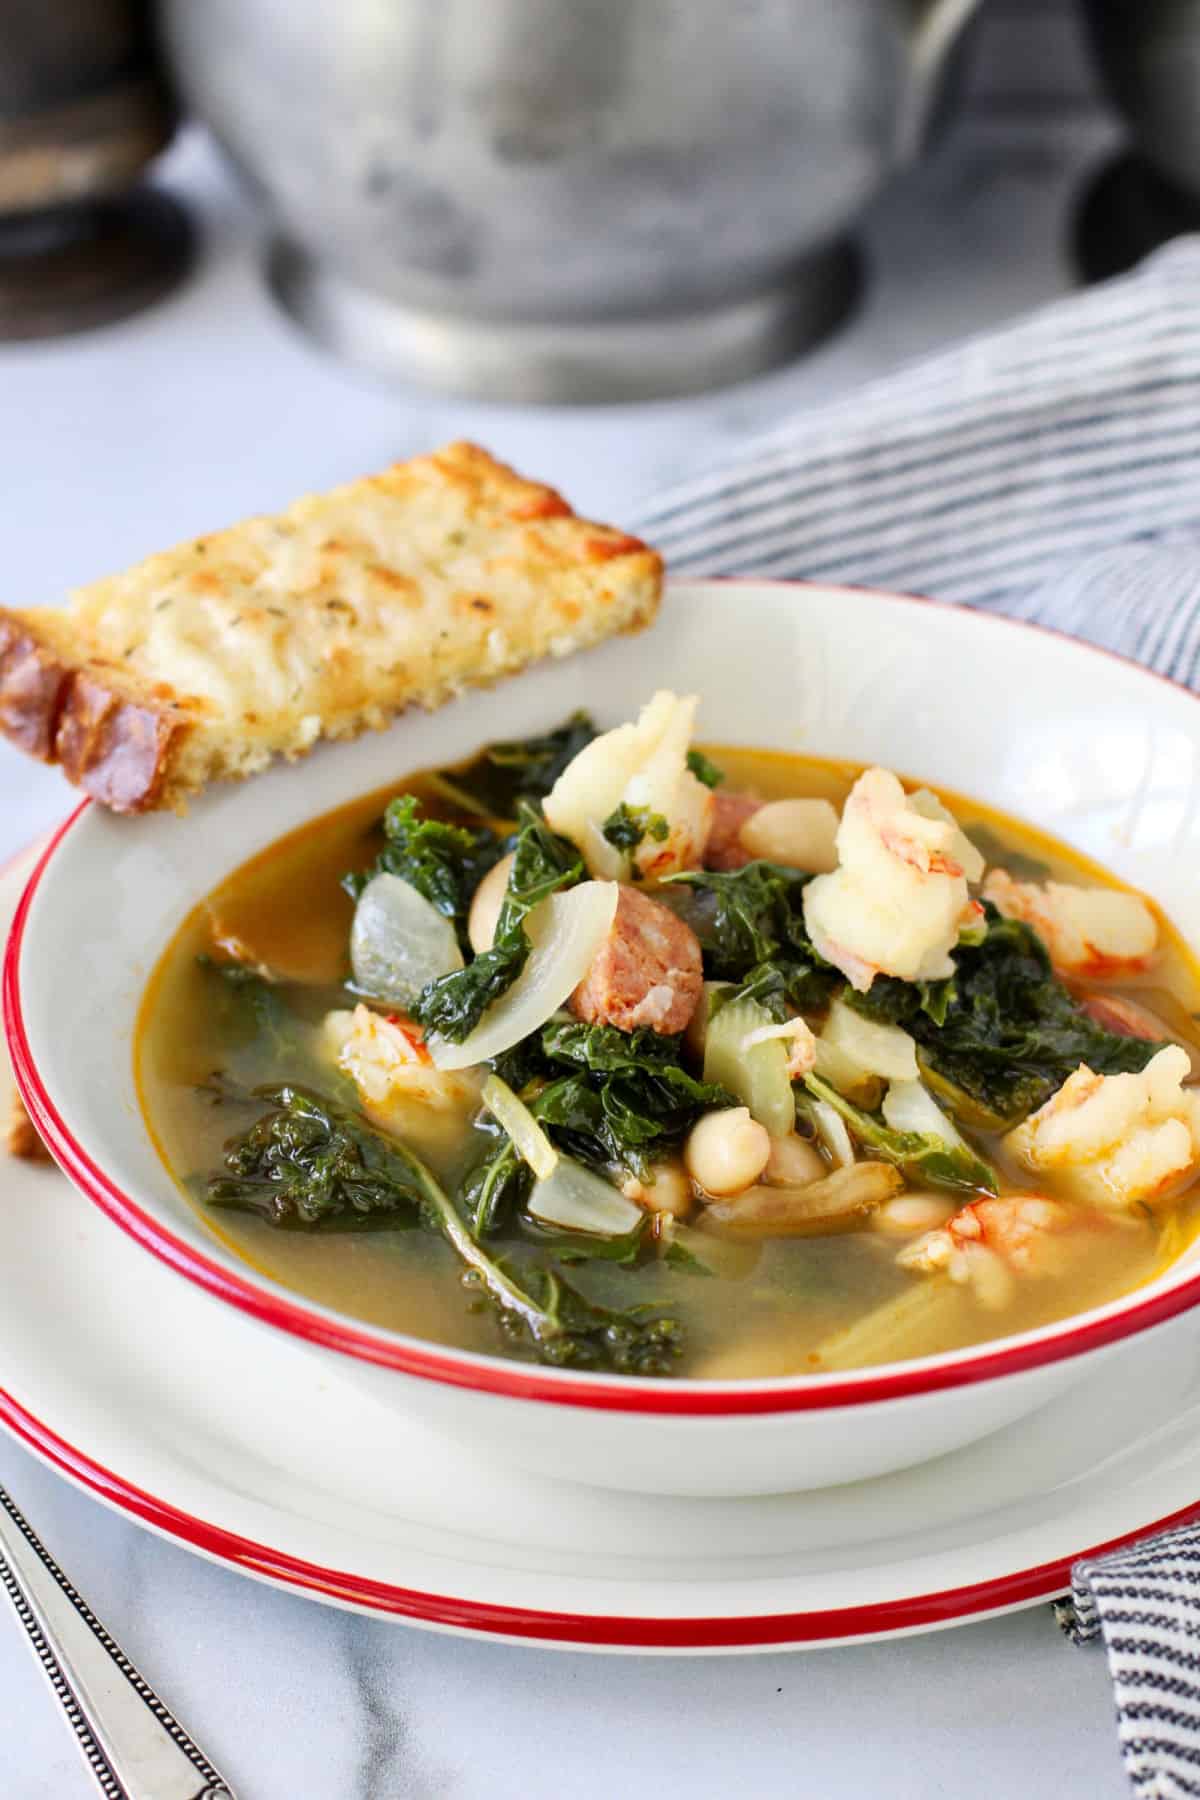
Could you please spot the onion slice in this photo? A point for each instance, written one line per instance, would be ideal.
(399, 941)
(566, 931)
(577, 1199)
(831, 1129)
(513, 1116)
(880, 1049)
(909, 1106)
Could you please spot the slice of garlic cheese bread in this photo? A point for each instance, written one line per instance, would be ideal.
(207, 661)
(21, 1136)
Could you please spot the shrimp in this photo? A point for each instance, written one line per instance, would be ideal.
(897, 902)
(1097, 933)
(1117, 1140)
(397, 1082)
(989, 1244)
(797, 1034)
(644, 767)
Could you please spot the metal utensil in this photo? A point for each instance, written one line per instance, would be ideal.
(134, 1747)
(566, 199)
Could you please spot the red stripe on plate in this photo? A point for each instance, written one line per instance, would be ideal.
(598, 1630)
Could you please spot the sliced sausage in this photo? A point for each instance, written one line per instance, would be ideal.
(1124, 1017)
(648, 971)
(730, 811)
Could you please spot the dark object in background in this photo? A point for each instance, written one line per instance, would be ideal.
(566, 199)
(83, 109)
(1149, 56)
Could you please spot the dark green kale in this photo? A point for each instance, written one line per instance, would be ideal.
(495, 1190)
(922, 1156)
(642, 1077)
(628, 825)
(1011, 1033)
(756, 916)
(505, 774)
(542, 864)
(891, 1001)
(569, 1247)
(752, 932)
(627, 1101)
(704, 769)
(254, 1007)
(307, 1165)
(443, 862)
(310, 1165)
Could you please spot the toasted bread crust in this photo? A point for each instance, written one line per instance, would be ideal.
(33, 685)
(208, 660)
(21, 1138)
(117, 750)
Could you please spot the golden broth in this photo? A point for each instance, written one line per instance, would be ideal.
(774, 1302)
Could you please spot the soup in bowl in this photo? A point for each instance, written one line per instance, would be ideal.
(625, 1085)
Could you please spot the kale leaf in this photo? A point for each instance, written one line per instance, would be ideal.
(643, 1066)
(443, 862)
(308, 1164)
(1011, 1033)
(756, 915)
(542, 864)
(254, 1006)
(753, 932)
(627, 1100)
(704, 769)
(921, 1155)
(626, 826)
(891, 1001)
(505, 774)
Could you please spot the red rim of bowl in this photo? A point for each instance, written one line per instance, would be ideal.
(947, 1606)
(800, 1393)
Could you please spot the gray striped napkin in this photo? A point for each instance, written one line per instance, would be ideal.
(1032, 470)
(1050, 470)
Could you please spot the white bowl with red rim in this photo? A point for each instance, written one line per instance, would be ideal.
(1078, 742)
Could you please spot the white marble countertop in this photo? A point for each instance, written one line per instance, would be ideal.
(210, 407)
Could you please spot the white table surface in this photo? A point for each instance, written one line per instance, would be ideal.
(209, 407)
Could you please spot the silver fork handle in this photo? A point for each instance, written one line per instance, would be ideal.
(134, 1747)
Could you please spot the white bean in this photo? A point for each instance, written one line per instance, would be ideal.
(727, 1151)
(485, 907)
(793, 1161)
(800, 833)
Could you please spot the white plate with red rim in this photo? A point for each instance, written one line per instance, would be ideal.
(1080, 742)
(166, 1407)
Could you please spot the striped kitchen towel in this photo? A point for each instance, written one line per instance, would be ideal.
(1050, 470)
(1029, 471)
(1144, 1602)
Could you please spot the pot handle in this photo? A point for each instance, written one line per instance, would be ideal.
(936, 25)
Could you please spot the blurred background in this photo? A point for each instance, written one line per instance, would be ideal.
(249, 247)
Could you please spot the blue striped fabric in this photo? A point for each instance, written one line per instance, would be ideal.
(1144, 1602)
(1006, 473)
(1050, 471)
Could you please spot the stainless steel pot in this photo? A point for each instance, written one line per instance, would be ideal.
(1149, 53)
(552, 199)
(83, 109)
